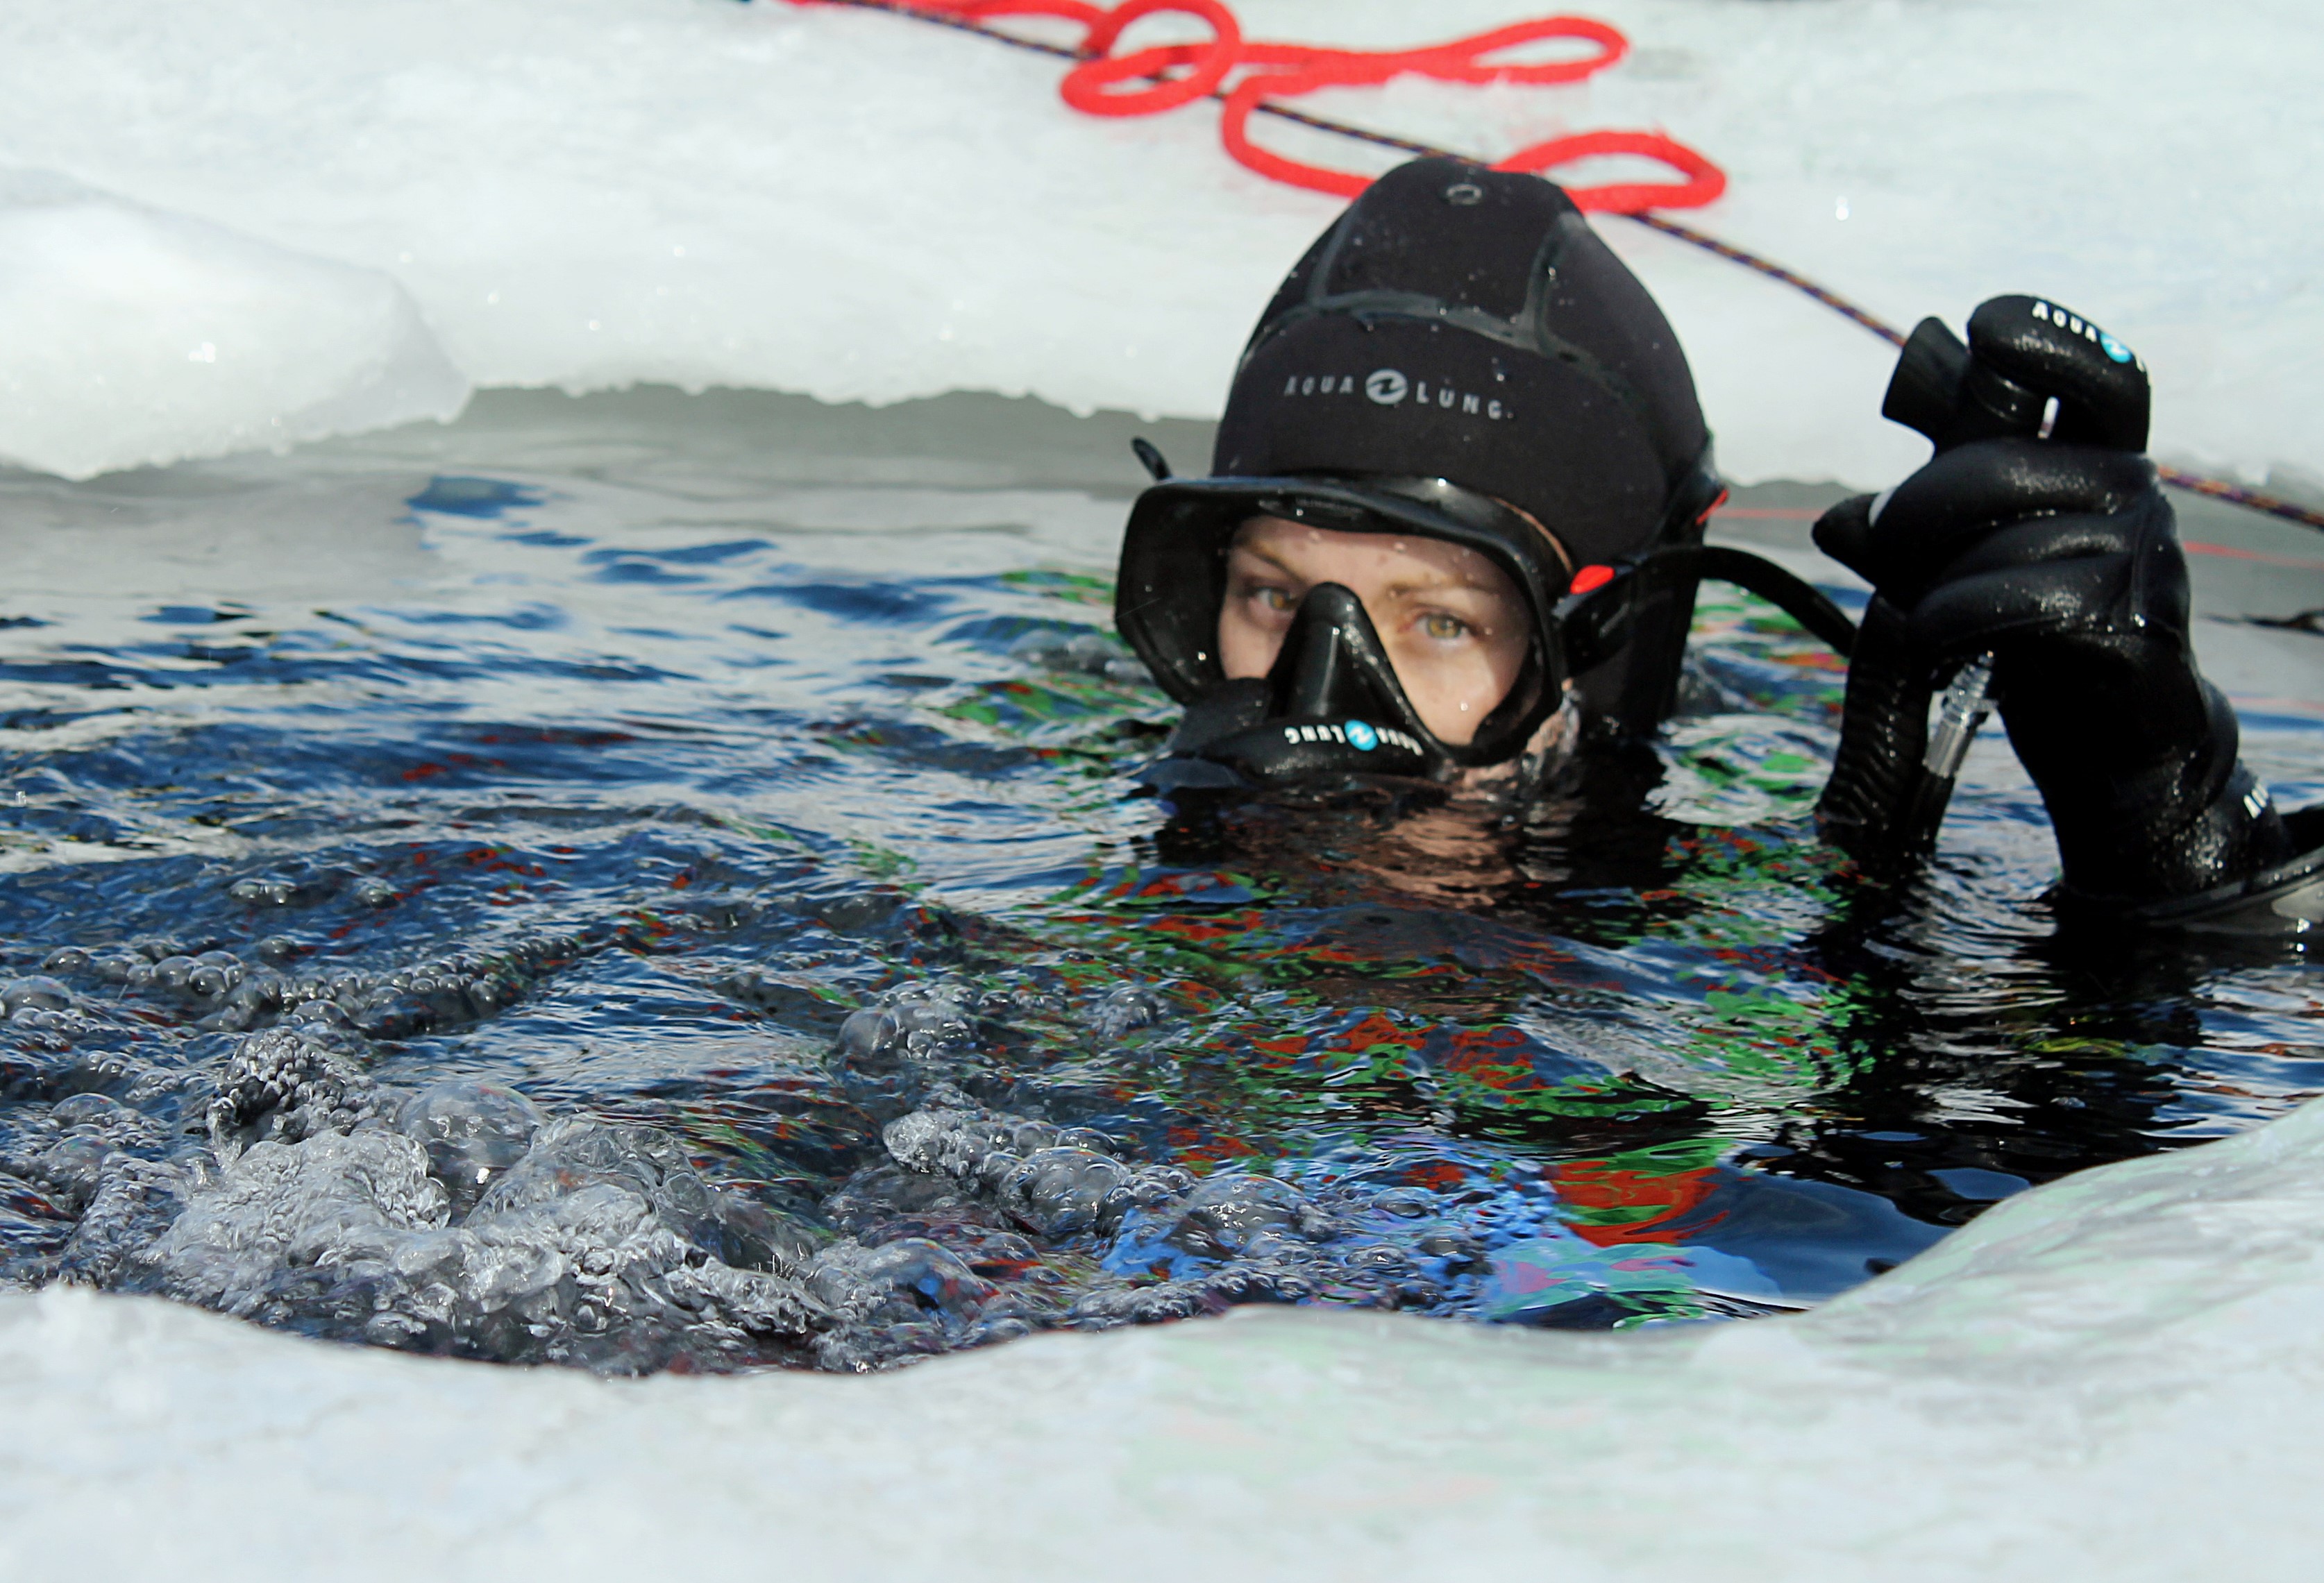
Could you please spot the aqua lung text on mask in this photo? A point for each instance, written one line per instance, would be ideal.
(1387, 387)
(1355, 734)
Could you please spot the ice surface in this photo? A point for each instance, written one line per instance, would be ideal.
(2112, 1376)
(588, 193)
(135, 335)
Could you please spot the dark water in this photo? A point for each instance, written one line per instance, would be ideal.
(654, 883)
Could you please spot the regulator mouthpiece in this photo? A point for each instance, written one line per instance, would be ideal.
(2030, 369)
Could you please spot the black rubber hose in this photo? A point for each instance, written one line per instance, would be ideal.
(1801, 601)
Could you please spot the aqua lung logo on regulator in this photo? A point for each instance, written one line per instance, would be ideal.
(2075, 325)
(1361, 735)
(1388, 387)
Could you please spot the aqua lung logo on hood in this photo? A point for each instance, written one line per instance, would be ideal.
(1388, 387)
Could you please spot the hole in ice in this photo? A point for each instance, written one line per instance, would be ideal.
(526, 964)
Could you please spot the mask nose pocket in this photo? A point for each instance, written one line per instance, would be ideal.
(1332, 665)
(1330, 707)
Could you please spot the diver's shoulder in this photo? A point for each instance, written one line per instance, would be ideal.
(2284, 898)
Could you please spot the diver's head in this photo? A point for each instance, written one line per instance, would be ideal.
(1458, 402)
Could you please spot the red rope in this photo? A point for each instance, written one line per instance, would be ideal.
(1253, 76)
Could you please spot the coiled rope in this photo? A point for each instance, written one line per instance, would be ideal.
(1250, 77)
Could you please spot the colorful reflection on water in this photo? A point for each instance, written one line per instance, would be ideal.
(674, 897)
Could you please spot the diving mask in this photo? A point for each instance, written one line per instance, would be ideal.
(1332, 704)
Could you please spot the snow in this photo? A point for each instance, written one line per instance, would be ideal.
(590, 193)
(2113, 1376)
(140, 336)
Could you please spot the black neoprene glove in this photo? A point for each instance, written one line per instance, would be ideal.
(2062, 560)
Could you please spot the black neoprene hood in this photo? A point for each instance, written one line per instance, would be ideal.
(1465, 329)
(1468, 324)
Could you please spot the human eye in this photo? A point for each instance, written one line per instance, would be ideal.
(1442, 626)
(1263, 595)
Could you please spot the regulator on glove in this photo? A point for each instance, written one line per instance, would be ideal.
(2037, 535)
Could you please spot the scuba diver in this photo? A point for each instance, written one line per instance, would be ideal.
(1455, 521)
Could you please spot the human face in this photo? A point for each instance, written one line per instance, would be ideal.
(1452, 621)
